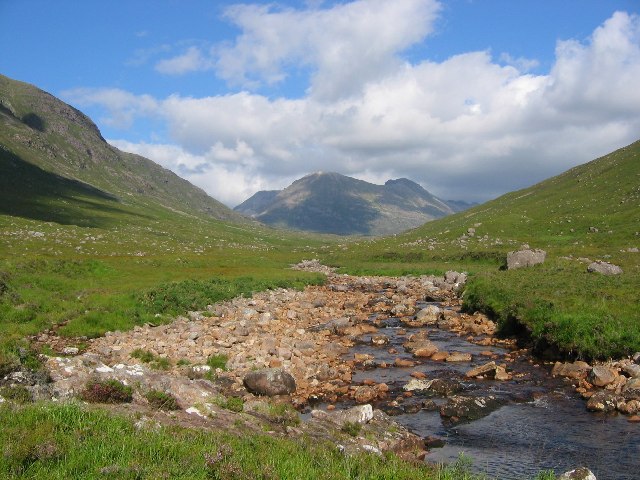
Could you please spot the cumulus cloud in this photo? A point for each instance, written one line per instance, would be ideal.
(466, 128)
(344, 46)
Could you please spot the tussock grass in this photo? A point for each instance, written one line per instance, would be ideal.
(68, 441)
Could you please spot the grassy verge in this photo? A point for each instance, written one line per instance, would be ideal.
(68, 442)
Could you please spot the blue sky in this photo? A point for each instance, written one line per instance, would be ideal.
(469, 98)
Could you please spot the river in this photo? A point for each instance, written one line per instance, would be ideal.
(542, 423)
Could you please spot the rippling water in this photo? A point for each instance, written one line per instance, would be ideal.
(524, 436)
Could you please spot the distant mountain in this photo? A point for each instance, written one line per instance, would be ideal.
(334, 203)
(55, 166)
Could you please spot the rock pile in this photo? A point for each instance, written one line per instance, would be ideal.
(608, 387)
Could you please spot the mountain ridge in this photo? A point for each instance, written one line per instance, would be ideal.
(329, 202)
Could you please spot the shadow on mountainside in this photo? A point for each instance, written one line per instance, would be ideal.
(30, 192)
(335, 212)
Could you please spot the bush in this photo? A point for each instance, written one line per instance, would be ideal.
(352, 428)
(18, 394)
(107, 391)
(162, 400)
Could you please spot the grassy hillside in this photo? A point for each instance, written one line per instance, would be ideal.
(93, 239)
(51, 152)
(589, 212)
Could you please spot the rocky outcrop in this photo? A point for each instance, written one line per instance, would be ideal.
(604, 268)
(525, 258)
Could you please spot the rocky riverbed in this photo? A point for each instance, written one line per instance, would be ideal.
(356, 351)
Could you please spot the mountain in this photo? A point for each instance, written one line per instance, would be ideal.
(55, 166)
(334, 203)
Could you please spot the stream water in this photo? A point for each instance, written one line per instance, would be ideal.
(542, 424)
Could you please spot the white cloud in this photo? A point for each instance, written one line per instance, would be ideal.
(122, 106)
(466, 128)
(521, 63)
(190, 61)
(345, 46)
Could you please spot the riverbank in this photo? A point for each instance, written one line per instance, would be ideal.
(201, 363)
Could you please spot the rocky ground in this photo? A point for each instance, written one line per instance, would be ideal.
(238, 364)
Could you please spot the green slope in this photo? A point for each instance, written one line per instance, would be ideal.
(559, 303)
(41, 135)
(93, 239)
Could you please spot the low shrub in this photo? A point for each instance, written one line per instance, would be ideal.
(107, 391)
(352, 428)
(162, 400)
(17, 393)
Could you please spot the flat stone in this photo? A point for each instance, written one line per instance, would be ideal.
(570, 370)
(401, 362)
(604, 268)
(438, 357)
(487, 368)
(459, 357)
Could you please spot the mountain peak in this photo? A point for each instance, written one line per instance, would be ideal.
(329, 202)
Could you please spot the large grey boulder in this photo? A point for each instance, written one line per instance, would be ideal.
(270, 382)
(525, 258)
(460, 408)
(604, 268)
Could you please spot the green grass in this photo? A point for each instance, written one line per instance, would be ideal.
(70, 442)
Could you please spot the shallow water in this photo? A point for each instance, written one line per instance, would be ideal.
(542, 425)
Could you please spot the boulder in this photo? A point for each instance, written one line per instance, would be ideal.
(580, 473)
(270, 382)
(632, 370)
(455, 278)
(631, 389)
(445, 386)
(364, 394)
(401, 362)
(427, 316)
(570, 370)
(359, 414)
(525, 258)
(459, 408)
(604, 268)
(417, 385)
(603, 401)
(601, 376)
(486, 369)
